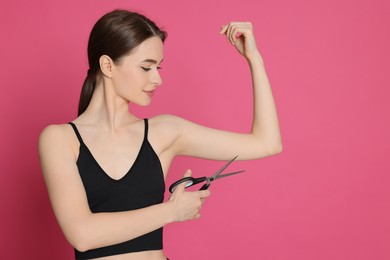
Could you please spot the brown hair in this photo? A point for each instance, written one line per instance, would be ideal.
(115, 34)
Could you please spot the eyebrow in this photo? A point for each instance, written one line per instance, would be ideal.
(152, 61)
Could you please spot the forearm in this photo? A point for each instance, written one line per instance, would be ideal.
(103, 229)
(265, 126)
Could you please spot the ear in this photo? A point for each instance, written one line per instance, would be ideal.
(106, 65)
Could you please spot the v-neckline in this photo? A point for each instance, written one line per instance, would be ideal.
(105, 173)
(82, 143)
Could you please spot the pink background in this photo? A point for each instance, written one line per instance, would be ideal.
(325, 197)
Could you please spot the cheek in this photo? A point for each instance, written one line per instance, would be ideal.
(125, 81)
(129, 80)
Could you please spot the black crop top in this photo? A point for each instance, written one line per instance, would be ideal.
(142, 186)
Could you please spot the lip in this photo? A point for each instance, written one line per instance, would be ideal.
(150, 93)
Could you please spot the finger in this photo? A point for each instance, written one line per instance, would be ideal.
(204, 193)
(188, 173)
(232, 34)
(235, 34)
(232, 28)
(182, 186)
(238, 26)
(223, 29)
(241, 29)
(229, 33)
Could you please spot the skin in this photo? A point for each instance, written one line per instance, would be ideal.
(114, 135)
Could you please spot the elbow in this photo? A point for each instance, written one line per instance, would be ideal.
(79, 241)
(278, 148)
(268, 145)
(266, 149)
(80, 246)
(274, 149)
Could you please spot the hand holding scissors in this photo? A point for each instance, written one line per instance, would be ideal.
(190, 181)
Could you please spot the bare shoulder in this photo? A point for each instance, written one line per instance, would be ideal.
(169, 125)
(56, 142)
(55, 135)
(53, 131)
(167, 121)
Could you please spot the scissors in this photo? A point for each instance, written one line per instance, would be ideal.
(190, 181)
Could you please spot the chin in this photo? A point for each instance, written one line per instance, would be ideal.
(143, 103)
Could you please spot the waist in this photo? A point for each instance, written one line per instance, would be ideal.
(144, 255)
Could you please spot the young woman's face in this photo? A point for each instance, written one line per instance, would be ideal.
(136, 76)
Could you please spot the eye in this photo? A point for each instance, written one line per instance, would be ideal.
(159, 68)
(145, 69)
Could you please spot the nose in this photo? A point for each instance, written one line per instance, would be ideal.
(156, 78)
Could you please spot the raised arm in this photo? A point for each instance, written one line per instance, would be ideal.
(86, 230)
(264, 138)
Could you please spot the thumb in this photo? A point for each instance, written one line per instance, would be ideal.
(182, 186)
(188, 173)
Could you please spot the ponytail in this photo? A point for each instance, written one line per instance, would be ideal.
(86, 93)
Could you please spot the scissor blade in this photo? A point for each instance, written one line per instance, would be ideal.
(223, 168)
(228, 174)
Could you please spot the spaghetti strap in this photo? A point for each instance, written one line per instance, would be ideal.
(146, 128)
(76, 132)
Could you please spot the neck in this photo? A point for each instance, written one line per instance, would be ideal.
(107, 109)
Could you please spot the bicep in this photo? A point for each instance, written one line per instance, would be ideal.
(64, 185)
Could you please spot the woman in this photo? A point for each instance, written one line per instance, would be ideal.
(105, 171)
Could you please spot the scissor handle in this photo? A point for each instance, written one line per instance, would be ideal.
(189, 182)
(205, 186)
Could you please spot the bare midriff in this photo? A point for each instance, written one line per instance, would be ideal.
(145, 255)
